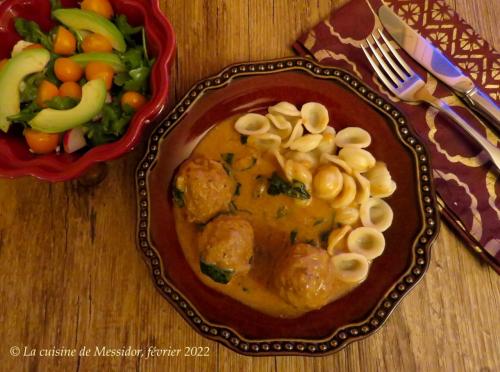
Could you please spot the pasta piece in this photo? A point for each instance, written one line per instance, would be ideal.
(327, 158)
(285, 109)
(296, 171)
(358, 159)
(347, 194)
(350, 267)
(362, 187)
(307, 158)
(327, 144)
(297, 132)
(336, 237)
(281, 126)
(367, 241)
(315, 116)
(376, 213)
(346, 216)
(353, 137)
(306, 143)
(381, 183)
(328, 182)
(279, 158)
(252, 124)
(266, 141)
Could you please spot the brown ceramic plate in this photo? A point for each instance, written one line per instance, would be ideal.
(252, 86)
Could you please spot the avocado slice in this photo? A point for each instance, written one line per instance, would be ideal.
(78, 19)
(12, 74)
(111, 59)
(57, 121)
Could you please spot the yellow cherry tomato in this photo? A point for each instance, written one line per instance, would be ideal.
(41, 143)
(134, 100)
(64, 42)
(34, 46)
(3, 62)
(100, 70)
(46, 91)
(96, 43)
(102, 7)
(67, 70)
(70, 89)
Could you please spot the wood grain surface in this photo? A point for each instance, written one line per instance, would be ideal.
(71, 276)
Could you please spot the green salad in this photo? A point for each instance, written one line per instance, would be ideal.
(77, 85)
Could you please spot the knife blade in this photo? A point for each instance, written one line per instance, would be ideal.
(434, 61)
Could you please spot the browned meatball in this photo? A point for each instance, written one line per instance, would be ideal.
(207, 188)
(304, 277)
(227, 243)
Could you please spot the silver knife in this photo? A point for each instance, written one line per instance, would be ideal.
(434, 61)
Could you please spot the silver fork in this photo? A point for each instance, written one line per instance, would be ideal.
(401, 80)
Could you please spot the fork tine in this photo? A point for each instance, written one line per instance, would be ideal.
(400, 60)
(387, 70)
(389, 59)
(380, 74)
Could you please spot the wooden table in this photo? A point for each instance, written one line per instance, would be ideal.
(71, 275)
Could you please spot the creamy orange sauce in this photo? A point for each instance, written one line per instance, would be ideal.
(273, 219)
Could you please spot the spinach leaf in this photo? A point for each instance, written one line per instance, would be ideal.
(30, 31)
(126, 29)
(113, 124)
(281, 212)
(61, 103)
(30, 91)
(26, 114)
(295, 189)
(218, 274)
(228, 157)
(178, 197)
(293, 236)
(50, 74)
(133, 58)
(243, 139)
(237, 191)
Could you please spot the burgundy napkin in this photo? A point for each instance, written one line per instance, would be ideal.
(468, 186)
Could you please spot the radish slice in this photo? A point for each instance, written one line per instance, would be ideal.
(74, 140)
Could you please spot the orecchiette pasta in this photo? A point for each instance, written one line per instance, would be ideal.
(266, 141)
(296, 171)
(297, 132)
(347, 194)
(350, 267)
(353, 137)
(281, 126)
(358, 159)
(315, 116)
(309, 159)
(363, 188)
(376, 213)
(285, 109)
(252, 124)
(381, 183)
(367, 241)
(336, 237)
(335, 167)
(346, 216)
(306, 143)
(327, 144)
(327, 158)
(328, 182)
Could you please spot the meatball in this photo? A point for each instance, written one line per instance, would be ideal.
(206, 187)
(227, 243)
(304, 277)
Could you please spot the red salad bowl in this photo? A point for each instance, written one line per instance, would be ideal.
(15, 158)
